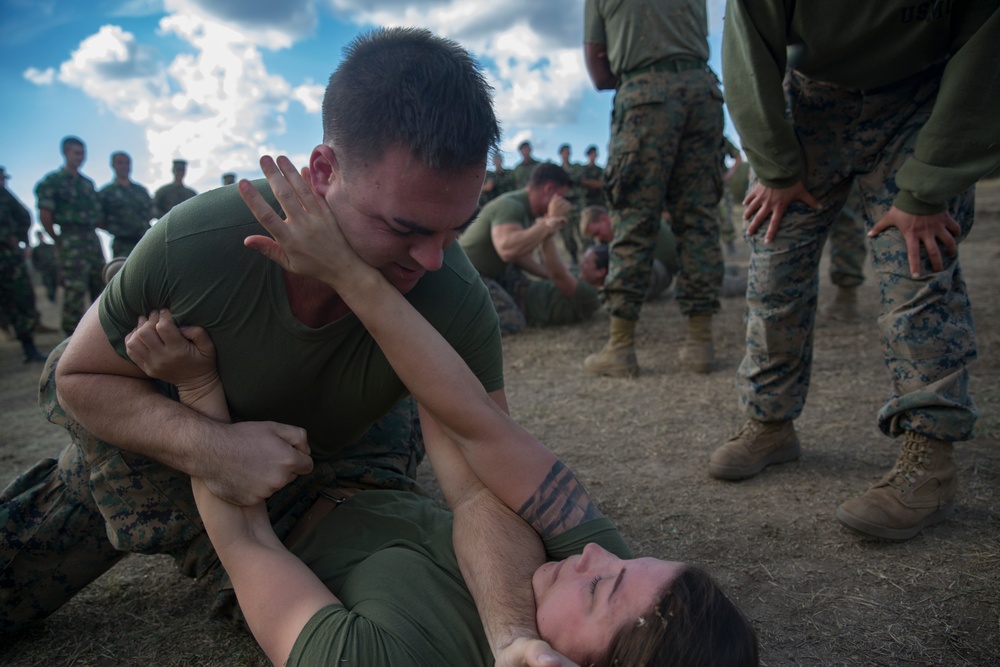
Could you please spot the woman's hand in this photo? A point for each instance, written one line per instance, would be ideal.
(308, 242)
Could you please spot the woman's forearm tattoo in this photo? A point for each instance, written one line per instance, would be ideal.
(559, 503)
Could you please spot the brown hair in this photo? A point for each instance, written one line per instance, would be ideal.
(590, 215)
(694, 624)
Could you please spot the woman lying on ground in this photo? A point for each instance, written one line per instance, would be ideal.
(388, 587)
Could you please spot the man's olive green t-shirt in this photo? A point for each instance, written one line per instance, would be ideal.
(388, 557)
(477, 240)
(333, 380)
(545, 305)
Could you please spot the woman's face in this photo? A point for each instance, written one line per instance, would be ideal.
(583, 601)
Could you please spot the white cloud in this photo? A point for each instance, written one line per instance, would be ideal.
(310, 96)
(267, 23)
(40, 77)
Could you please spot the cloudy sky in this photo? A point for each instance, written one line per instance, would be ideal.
(221, 82)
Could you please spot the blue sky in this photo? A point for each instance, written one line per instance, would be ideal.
(221, 82)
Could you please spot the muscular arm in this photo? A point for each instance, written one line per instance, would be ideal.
(512, 241)
(598, 67)
(558, 273)
(118, 403)
(530, 265)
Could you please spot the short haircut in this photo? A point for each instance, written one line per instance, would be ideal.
(71, 141)
(564, 146)
(117, 153)
(601, 256)
(591, 149)
(523, 144)
(406, 87)
(548, 172)
(588, 216)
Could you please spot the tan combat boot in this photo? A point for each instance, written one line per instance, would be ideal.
(844, 307)
(756, 446)
(698, 354)
(617, 358)
(917, 492)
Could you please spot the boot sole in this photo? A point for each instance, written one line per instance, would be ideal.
(733, 473)
(615, 373)
(894, 534)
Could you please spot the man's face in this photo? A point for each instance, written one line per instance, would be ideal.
(180, 172)
(525, 151)
(497, 162)
(582, 602)
(600, 229)
(589, 271)
(399, 215)
(122, 165)
(591, 156)
(564, 154)
(75, 155)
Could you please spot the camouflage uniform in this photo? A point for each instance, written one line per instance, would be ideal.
(77, 210)
(727, 232)
(848, 244)
(571, 230)
(43, 259)
(592, 196)
(522, 172)
(666, 130)
(123, 502)
(127, 211)
(168, 196)
(849, 137)
(508, 308)
(17, 297)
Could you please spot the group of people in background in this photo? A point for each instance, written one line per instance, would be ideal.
(375, 217)
(69, 253)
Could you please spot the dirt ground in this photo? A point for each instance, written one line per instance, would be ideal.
(817, 593)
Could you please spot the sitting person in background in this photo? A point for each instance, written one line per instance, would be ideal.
(595, 223)
(593, 607)
(503, 238)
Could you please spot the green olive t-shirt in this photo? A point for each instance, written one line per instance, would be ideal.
(333, 380)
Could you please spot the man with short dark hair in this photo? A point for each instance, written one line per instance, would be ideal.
(314, 401)
(174, 193)
(68, 199)
(126, 205)
(592, 180)
(502, 240)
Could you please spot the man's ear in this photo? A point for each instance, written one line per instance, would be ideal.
(324, 168)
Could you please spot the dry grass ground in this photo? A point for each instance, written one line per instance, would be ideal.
(817, 593)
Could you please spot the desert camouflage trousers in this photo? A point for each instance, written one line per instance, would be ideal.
(65, 522)
(80, 263)
(928, 339)
(17, 295)
(666, 129)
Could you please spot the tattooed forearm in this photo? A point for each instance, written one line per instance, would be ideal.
(559, 503)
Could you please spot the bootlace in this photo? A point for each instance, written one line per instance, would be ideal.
(914, 452)
(749, 430)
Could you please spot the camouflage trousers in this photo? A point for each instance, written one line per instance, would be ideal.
(848, 244)
(570, 233)
(852, 137)
(507, 294)
(727, 230)
(65, 522)
(666, 130)
(17, 296)
(80, 264)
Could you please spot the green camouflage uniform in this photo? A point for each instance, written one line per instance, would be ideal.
(666, 129)
(571, 230)
(17, 297)
(169, 196)
(522, 172)
(848, 243)
(592, 196)
(122, 502)
(883, 118)
(727, 232)
(127, 211)
(502, 182)
(77, 210)
(43, 259)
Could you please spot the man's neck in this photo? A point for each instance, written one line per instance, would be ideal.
(72, 171)
(313, 303)
(124, 182)
(179, 181)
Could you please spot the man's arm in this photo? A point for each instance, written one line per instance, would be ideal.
(564, 281)
(530, 265)
(512, 241)
(598, 67)
(113, 399)
(45, 217)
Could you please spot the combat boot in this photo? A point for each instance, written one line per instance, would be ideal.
(617, 358)
(844, 307)
(31, 353)
(756, 446)
(697, 353)
(917, 492)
